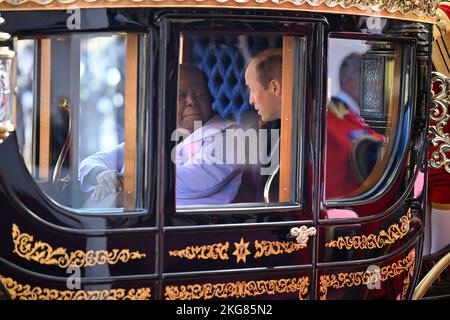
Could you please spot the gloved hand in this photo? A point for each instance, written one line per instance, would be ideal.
(108, 181)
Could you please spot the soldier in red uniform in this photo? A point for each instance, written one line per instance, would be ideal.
(439, 176)
(352, 147)
(346, 132)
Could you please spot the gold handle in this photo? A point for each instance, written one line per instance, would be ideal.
(440, 103)
(269, 184)
(429, 278)
(302, 234)
(62, 183)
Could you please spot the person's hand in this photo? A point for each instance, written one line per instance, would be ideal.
(108, 181)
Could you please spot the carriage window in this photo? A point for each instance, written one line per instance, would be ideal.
(80, 132)
(363, 105)
(238, 120)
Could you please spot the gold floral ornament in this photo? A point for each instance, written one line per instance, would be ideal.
(27, 292)
(369, 277)
(406, 283)
(302, 234)
(211, 251)
(440, 103)
(269, 248)
(241, 251)
(43, 253)
(238, 289)
(374, 241)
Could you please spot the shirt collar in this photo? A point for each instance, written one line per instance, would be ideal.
(349, 102)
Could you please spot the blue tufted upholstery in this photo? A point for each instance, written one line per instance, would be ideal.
(222, 60)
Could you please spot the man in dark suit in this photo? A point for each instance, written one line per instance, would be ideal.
(346, 130)
(263, 78)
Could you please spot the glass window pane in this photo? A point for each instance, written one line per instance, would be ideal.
(363, 107)
(101, 142)
(233, 91)
(85, 155)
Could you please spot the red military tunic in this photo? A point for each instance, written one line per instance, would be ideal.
(344, 130)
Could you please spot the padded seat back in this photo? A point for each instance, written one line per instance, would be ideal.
(224, 59)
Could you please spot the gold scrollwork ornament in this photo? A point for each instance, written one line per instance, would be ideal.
(238, 289)
(368, 277)
(440, 102)
(373, 241)
(271, 248)
(43, 253)
(211, 251)
(26, 292)
(419, 8)
(302, 234)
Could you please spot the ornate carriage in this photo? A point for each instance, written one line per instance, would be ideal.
(79, 76)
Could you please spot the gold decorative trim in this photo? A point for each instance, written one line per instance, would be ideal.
(219, 251)
(238, 289)
(26, 292)
(241, 250)
(43, 253)
(418, 10)
(428, 280)
(406, 284)
(374, 241)
(269, 248)
(211, 251)
(369, 277)
(440, 103)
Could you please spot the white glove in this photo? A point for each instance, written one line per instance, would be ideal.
(108, 181)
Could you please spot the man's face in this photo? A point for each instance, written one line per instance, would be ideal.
(267, 102)
(194, 103)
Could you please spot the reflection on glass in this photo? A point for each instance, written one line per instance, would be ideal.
(230, 102)
(24, 80)
(102, 74)
(101, 142)
(75, 147)
(363, 101)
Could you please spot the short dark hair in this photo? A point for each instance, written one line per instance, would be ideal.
(268, 66)
(350, 65)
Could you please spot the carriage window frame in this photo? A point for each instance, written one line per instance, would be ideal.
(299, 102)
(142, 56)
(391, 170)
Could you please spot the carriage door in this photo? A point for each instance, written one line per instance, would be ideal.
(237, 217)
(371, 223)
